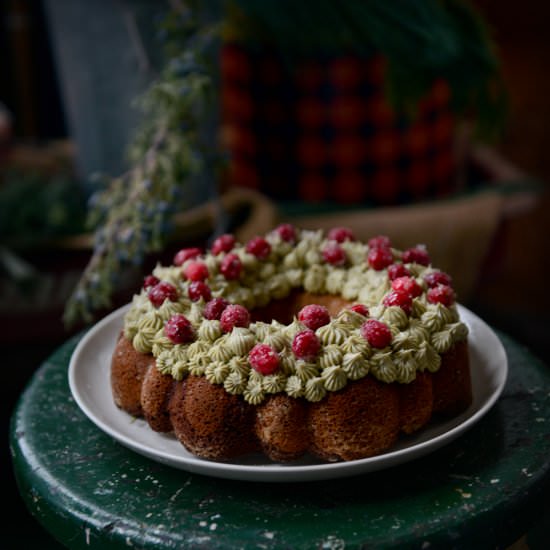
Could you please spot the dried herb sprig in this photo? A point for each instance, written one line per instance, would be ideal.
(132, 214)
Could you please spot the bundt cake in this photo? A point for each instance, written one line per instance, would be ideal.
(295, 342)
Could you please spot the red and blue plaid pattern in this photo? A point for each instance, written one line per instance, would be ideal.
(323, 131)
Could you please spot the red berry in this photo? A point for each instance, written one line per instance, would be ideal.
(397, 270)
(162, 291)
(398, 298)
(196, 271)
(341, 234)
(234, 316)
(334, 254)
(362, 309)
(314, 316)
(214, 308)
(259, 247)
(437, 278)
(376, 333)
(407, 285)
(379, 258)
(150, 281)
(224, 243)
(178, 329)
(186, 254)
(306, 345)
(441, 294)
(198, 290)
(264, 359)
(380, 241)
(231, 267)
(287, 232)
(416, 255)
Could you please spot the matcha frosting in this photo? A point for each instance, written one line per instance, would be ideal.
(418, 337)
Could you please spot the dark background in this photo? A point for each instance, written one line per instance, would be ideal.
(514, 297)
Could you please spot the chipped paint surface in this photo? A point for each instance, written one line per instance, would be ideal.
(332, 543)
(85, 487)
(463, 493)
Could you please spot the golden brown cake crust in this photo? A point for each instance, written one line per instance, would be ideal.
(359, 421)
(452, 384)
(128, 368)
(156, 391)
(210, 422)
(281, 427)
(415, 403)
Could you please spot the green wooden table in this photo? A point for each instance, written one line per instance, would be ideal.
(483, 490)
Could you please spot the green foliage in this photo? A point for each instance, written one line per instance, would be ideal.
(421, 41)
(35, 209)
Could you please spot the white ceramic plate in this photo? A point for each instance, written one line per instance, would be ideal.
(89, 381)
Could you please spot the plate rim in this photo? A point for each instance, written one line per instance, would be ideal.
(277, 472)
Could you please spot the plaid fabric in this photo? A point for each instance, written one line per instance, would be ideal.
(324, 132)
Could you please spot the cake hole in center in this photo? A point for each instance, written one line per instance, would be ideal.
(285, 309)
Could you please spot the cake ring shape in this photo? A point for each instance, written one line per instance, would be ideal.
(295, 342)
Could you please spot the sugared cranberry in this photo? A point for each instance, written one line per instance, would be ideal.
(214, 308)
(196, 271)
(314, 316)
(198, 290)
(438, 278)
(398, 298)
(231, 267)
(264, 359)
(234, 315)
(306, 345)
(416, 255)
(258, 247)
(397, 270)
(376, 333)
(334, 254)
(380, 257)
(162, 291)
(179, 330)
(224, 243)
(407, 285)
(362, 309)
(150, 281)
(341, 234)
(186, 254)
(380, 241)
(441, 294)
(287, 232)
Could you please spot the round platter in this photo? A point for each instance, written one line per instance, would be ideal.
(89, 381)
